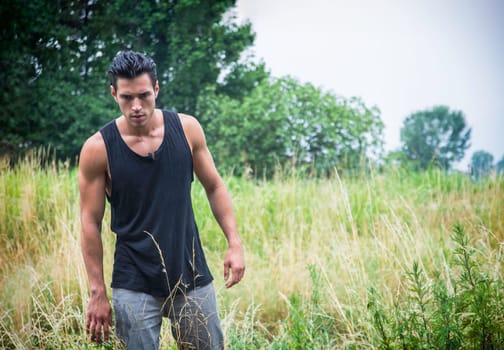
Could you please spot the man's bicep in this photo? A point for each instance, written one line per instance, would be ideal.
(92, 183)
(203, 164)
(205, 169)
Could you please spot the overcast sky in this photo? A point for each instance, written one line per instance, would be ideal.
(400, 55)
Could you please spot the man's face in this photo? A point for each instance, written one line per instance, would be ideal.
(136, 98)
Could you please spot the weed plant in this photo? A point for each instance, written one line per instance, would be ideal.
(464, 310)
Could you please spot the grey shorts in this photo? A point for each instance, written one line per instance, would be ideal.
(195, 322)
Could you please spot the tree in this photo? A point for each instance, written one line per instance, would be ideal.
(500, 165)
(50, 74)
(435, 137)
(283, 122)
(481, 163)
(55, 54)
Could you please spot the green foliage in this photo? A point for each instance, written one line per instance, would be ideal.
(379, 319)
(55, 54)
(50, 71)
(292, 125)
(308, 326)
(481, 298)
(243, 77)
(463, 312)
(481, 164)
(435, 137)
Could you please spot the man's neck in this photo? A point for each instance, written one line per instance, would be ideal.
(142, 130)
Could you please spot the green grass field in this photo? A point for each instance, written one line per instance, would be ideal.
(390, 260)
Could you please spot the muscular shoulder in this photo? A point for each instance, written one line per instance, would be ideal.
(193, 131)
(188, 121)
(93, 156)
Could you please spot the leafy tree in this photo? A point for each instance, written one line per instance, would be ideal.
(481, 163)
(49, 74)
(55, 54)
(283, 122)
(436, 137)
(242, 78)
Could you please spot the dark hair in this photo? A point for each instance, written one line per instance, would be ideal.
(131, 64)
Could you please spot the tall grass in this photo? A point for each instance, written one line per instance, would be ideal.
(315, 249)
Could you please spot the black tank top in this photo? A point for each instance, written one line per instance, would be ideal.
(158, 249)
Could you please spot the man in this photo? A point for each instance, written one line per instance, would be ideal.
(143, 163)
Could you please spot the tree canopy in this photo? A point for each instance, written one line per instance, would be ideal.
(481, 163)
(284, 122)
(55, 54)
(435, 137)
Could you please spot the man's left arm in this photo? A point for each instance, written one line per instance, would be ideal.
(219, 198)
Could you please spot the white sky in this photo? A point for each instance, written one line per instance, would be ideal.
(399, 55)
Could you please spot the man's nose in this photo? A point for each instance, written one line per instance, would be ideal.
(136, 104)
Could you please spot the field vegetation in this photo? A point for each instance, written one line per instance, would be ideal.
(386, 260)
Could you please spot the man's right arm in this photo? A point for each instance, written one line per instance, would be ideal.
(92, 171)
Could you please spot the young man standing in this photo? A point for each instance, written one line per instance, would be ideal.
(143, 163)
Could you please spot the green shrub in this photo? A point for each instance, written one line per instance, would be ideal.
(463, 311)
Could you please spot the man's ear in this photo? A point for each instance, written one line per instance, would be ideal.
(113, 92)
(156, 89)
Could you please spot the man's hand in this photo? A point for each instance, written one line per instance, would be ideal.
(98, 317)
(235, 261)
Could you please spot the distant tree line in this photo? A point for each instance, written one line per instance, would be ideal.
(439, 137)
(54, 91)
(482, 164)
